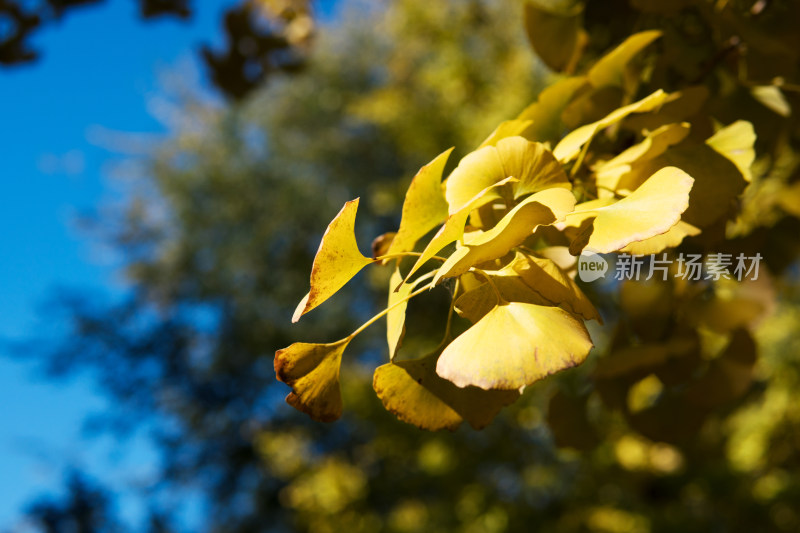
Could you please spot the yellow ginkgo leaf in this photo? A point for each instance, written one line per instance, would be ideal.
(614, 67)
(655, 143)
(508, 128)
(514, 345)
(545, 113)
(557, 36)
(677, 107)
(570, 146)
(554, 285)
(453, 228)
(736, 142)
(475, 303)
(530, 163)
(652, 209)
(413, 392)
(336, 262)
(543, 208)
(718, 181)
(672, 238)
(424, 207)
(312, 370)
(396, 316)
(772, 97)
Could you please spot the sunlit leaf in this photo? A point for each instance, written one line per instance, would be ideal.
(336, 262)
(736, 142)
(657, 244)
(509, 128)
(424, 207)
(570, 146)
(542, 208)
(677, 107)
(397, 305)
(529, 162)
(650, 210)
(477, 302)
(514, 345)
(773, 98)
(312, 370)
(614, 67)
(655, 143)
(453, 228)
(547, 279)
(718, 182)
(545, 113)
(557, 37)
(413, 392)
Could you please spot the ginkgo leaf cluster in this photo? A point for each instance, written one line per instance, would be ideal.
(572, 172)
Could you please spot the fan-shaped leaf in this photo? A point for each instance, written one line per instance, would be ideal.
(614, 67)
(736, 142)
(657, 244)
(509, 128)
(650, 210)
(424, 207)
(609, 174)
(545, 113)
(543, 208)
(570, 146)
(413, 392)
(514, 345)
(530, 163)
(312, 370)
(557, 37)
(336, 262)
(555, 286)
(453, 228)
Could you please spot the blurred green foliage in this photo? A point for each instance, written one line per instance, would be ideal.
(223, 224)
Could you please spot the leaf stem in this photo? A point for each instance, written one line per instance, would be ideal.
(407, 254)
(449, 318)
(377, 317)
(500, 299)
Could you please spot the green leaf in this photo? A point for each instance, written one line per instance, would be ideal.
(650, 210)
(336, 262)
(312, 370)
(424, 207)
(514, 345)
(543, 208)
(615, 67)
(570, 146)
(413, 392)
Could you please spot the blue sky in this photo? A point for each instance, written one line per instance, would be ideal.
(99, 69)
